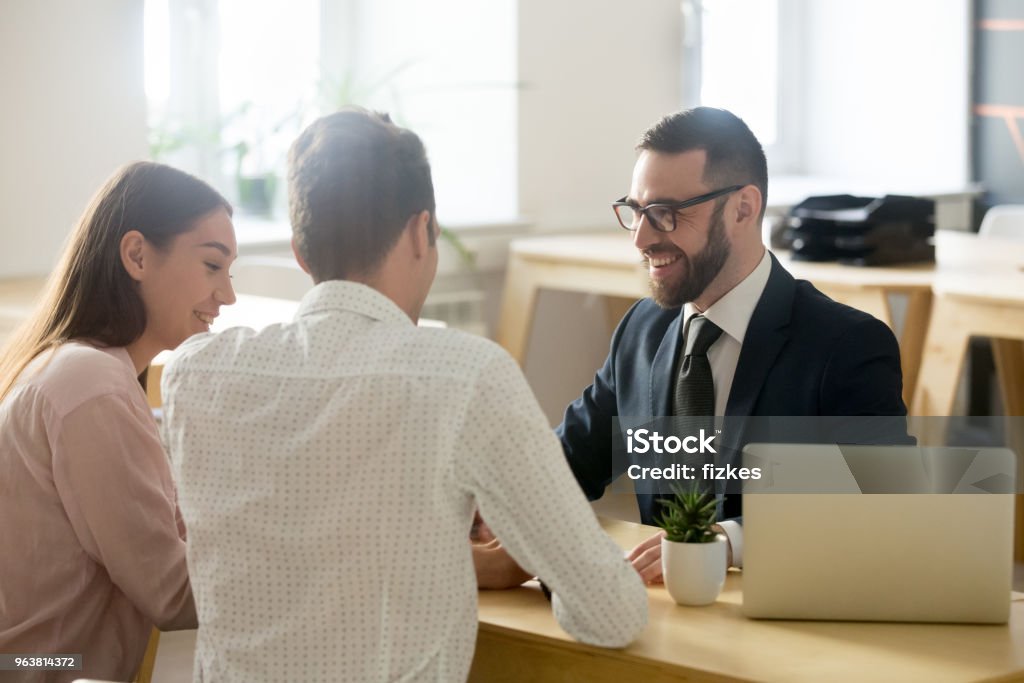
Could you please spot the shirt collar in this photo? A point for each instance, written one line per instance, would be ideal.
(354, 297)
(120, 353)
(733, 311)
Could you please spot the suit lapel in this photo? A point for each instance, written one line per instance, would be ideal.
(766, 335)
(661, 369)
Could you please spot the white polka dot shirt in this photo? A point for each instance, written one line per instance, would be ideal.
(328, 471)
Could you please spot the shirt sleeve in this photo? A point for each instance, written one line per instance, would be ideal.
(734, 532)
(114, 481)
(513, 464)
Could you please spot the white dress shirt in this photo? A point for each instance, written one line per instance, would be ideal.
(328, 472)
(732, 313)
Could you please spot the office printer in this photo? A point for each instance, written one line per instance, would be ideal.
(863, 231)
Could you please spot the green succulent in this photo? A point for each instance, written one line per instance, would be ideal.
(688, 516)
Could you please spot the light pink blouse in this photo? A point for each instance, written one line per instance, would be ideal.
(92, 546)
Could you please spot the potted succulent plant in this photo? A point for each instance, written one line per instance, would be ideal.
(693, 556)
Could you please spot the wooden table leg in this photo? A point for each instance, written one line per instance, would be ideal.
(945, 347)
(153, 375)
(870, 300)
(518, 306)
(919, 311)
(1009, 358)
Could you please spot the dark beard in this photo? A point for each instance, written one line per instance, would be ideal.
(700, 270)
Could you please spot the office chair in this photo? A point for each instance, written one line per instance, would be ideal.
(1005, 221)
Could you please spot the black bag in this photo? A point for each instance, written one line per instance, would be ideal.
(863, 231)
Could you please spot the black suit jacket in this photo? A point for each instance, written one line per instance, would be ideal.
(803, 355)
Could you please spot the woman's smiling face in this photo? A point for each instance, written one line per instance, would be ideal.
(187, 282)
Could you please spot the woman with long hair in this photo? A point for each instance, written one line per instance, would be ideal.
(92, 547)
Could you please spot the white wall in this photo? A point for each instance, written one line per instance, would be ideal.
(596, 74)
(886, 91)
(73, 110)
(454, 64)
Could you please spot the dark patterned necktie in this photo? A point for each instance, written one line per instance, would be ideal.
(694, 393)
(693, 400)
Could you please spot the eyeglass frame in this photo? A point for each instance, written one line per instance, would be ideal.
(674, 206)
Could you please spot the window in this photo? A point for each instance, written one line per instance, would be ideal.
(871, 95)
(742, 55)
(231, 83)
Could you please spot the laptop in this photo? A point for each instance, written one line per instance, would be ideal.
(878, 533)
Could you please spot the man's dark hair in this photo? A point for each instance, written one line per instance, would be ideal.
(734, 156)
(354, 180)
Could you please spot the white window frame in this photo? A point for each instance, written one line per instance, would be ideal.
(193, 100)
(786, 154)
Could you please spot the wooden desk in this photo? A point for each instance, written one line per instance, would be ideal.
(984, 305)
(519, 640)
(973, 304)
(609, 265)
(605, 264)
(979, 291)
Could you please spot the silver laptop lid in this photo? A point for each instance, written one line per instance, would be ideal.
(878, 533)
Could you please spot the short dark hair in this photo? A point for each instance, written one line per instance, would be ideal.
(354, 179)
(734, 156)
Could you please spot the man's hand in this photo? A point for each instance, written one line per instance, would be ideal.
(646, 557)
(480, 532)
(495, 568)
(728, 545)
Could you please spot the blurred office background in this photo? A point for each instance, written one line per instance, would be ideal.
(529, 109)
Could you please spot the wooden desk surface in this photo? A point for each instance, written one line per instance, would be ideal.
(616, 251)
(717, 643)
(997, 287)
(954, 251)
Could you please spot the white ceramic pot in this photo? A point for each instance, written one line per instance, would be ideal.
(694, 572)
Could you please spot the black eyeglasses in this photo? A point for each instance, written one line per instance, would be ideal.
(661, 215)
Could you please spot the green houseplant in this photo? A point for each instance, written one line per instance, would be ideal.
(693, 556)
(688, 516)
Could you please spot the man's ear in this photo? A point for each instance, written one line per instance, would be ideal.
(420, 227)
(748, 206)
(133, 256)
(298, 258)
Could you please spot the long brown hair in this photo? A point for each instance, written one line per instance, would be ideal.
(90, 295)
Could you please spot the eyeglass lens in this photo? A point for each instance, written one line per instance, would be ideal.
(660, 216)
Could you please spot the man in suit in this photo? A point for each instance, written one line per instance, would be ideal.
(727, 330)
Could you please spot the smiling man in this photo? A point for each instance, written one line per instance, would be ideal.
(727, 331)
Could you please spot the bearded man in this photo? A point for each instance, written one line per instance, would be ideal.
(727, 330)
